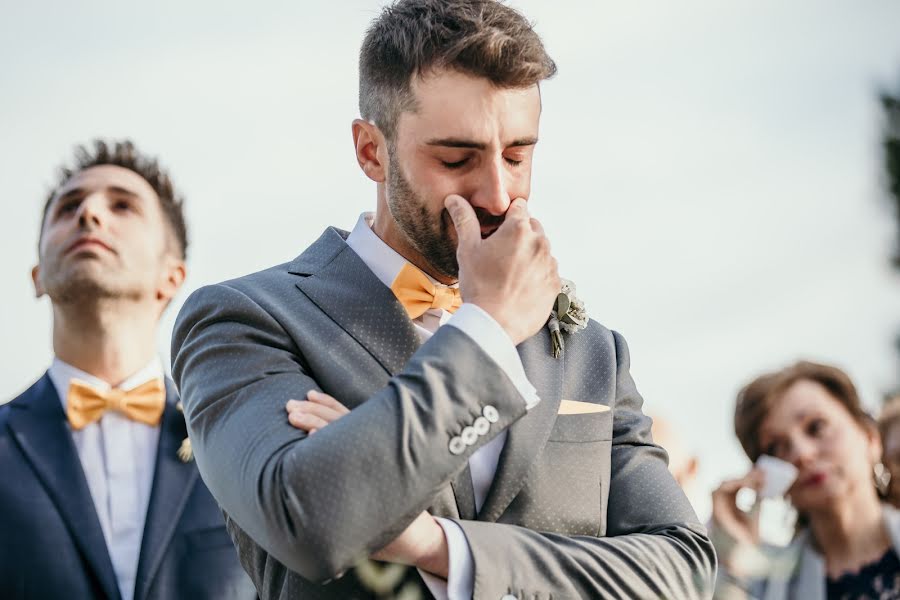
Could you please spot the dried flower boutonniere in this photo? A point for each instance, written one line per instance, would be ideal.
(185, 452)
(569, 315)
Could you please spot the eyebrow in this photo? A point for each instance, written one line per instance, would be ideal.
(798, 417)
(464, 143)
(112, 188)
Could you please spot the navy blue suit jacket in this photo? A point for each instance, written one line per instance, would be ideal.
(51, 543)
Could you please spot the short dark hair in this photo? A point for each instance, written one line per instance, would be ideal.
(123, 153)
(756, 399)
(483, 38)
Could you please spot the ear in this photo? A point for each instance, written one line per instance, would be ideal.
(371, 149)
(173, 273)
(36, 280)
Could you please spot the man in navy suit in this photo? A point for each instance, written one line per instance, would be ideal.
(100, 497)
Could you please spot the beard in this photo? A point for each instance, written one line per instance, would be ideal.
(84, 284)
(431, 237)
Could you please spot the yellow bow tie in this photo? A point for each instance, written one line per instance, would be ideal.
(418, 294)
(144, 404)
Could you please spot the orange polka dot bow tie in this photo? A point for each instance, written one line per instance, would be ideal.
(86, 404)
(417, 293)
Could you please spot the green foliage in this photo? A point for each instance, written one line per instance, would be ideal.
(890, 101)
(891, 148)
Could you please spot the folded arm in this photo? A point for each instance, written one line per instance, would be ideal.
(309, 500)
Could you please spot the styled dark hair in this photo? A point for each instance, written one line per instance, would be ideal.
(758, 397)
(483, 38)
(123, 153)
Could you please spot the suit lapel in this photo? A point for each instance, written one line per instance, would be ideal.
(345, 289)
(40, 429)
(342, 286)
(527, 436)
(173, 482)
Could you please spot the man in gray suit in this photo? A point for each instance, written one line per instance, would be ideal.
(469, 451)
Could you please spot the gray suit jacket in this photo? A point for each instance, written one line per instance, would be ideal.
(582, 506)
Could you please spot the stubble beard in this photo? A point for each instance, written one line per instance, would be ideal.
(430, 239)
(79, 287)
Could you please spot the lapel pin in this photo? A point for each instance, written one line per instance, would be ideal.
(185, 452)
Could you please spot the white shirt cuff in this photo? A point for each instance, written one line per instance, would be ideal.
(460, 583)
(472, 320)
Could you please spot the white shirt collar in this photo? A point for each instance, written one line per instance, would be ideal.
(381, 259)
(62, 373)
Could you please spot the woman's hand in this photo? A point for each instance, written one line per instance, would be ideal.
(743, 527)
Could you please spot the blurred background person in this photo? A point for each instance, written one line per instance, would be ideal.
(683, 463)
(101, 499)
(846, 544)
(889, 428)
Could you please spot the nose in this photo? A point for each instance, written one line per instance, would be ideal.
(802, 452)
(90, 213)
(492, 193)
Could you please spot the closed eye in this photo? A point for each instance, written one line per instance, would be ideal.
(513, 162)
(455, 165)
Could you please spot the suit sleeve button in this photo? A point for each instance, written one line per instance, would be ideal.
(490, 413)
(457, 445)
(469, 436)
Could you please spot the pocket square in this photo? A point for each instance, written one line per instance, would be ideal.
(576, 407)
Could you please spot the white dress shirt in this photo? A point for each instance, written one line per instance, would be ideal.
(386, 264)
(118, 457)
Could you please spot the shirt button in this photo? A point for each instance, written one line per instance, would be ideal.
(457, 445)
(481, 425)
(490, 413)
(469, 436)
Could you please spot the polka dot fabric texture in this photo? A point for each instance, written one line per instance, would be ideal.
(581, 505)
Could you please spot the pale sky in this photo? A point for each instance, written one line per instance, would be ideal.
(708, 172)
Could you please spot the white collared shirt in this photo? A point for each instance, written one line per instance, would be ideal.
(118, 457)
(386, 264)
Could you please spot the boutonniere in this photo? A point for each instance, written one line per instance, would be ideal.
(383, 579)
(569, 315)
(185, 452)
